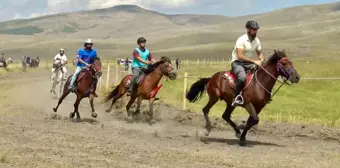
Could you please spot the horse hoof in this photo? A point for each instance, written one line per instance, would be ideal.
(54, 109)
(153, 121)
(129, 120)
(94, 115)
(72, 115)
(207, 132)
(238, 135)
(243, 143)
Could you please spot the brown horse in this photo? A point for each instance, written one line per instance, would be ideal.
(147, 87)
(257, 92)
(84, 87)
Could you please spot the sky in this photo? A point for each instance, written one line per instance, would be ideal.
(18, 9)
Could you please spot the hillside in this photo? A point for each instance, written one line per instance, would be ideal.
(115, 30)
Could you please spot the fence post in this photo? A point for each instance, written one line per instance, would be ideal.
(187, 62)
(211, 62)
(204, 61)
(198, 61)
(117, 70)
(185, 89)
(100, 83)
(46, 64)
(223, 61)
(107, 78)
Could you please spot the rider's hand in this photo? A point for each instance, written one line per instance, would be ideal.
(259, 62)
(149, 62)
(88, 65)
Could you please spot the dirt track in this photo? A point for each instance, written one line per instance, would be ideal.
(31, 135)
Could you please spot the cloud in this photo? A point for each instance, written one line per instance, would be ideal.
(150, 4)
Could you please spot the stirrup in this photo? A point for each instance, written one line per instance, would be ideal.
(238, 98)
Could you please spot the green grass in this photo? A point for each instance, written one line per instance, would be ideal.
(68, 29)
(29, 30)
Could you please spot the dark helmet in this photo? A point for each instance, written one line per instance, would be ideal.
(141, 40)
(252, 25)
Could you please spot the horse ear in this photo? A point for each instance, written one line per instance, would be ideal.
(274, 51)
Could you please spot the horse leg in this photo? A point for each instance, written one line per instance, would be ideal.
(117, 97)
(76, 106)
(252, 120)
(139, 102)
(227, 117)
(131, 101)
(65, 93)
(206, 109)
(152, 120)
(91, 98)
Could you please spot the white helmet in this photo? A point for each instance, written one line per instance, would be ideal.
(61, 49)
(88, 41)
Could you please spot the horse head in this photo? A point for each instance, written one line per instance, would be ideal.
(166, 68)
(284, 66)
(96, 68)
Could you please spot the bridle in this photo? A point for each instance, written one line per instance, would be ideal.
(96, 73)
(286, 75)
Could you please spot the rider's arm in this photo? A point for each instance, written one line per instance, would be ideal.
(137, 56)
(259, 51)
(79, 57)
(151, 58)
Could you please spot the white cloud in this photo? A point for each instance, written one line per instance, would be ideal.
(143, 3)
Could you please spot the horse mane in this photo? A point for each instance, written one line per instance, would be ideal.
(164, 59)
(276, 56)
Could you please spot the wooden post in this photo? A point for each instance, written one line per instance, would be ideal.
(46, 64)
(211, 62)
(198, 61)
(185, 89)
(223, 61)
(107, 78)
(107, 62)
(204, 61)
(100, 83)
(187, 62)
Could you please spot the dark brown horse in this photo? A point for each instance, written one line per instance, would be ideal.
(147, 87)
(257, 92)
(84, 87)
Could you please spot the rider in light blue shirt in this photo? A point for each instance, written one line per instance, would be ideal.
(141, 58)
(86, 57)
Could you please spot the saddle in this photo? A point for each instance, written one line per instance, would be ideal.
(231, 77)
(141, 76)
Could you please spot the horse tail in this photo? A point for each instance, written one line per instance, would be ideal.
(112, 94)
(197, 89)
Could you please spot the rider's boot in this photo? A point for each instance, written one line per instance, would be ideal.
(238, 100)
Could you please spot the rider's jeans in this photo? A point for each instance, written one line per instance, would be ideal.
(136, 72)
(74, 77)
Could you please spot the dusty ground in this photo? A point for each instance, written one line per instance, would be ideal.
(31, 135)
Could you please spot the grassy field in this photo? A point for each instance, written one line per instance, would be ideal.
(309, 102)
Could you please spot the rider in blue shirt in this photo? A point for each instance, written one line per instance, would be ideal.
(86, 57)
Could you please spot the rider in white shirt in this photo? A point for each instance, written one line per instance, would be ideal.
(62, 57)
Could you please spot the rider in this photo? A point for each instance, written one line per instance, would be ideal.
(243, 50)
(86, 57)
(62, 57)
(28, 59)
(141, 58)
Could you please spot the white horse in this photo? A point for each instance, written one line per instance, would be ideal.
(57, 78)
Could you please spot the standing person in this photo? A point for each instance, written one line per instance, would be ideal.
(127, 63)
(86, 56)
(245, 46)
(141, 58)
(62, 57)
(178, 63)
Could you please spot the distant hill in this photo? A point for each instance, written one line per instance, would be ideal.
(116, 29)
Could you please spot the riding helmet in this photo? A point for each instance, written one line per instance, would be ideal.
(141, 40)
(252, 25)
